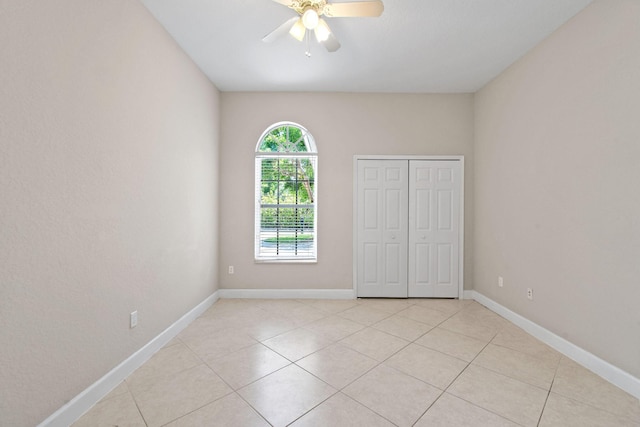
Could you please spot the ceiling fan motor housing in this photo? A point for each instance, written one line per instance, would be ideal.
(301, 6)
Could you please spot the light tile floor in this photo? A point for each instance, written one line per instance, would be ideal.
(360, 363)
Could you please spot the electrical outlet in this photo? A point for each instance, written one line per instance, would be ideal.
(500, 281)
(231, 271)
(530, 294)
(133, 319)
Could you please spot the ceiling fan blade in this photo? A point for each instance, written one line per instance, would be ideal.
(354, 9)
(284, 2)
(280, 31)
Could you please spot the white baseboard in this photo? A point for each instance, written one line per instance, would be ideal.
(288, 293)
(80, 404)
(609, 372)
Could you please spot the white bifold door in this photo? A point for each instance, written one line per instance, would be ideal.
(408, 228)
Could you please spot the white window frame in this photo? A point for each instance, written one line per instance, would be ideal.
(310, 256)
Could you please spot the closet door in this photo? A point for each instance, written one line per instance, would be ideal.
(434, 227)
(382, 234)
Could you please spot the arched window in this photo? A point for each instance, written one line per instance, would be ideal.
(286, 174)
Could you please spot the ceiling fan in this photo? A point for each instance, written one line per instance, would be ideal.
(310, 18)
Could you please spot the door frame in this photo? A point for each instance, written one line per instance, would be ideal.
(453, 158)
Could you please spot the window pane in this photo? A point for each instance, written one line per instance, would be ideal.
(287, 181)
(287, 232)
(289, 139)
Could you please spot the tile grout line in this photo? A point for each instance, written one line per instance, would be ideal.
(411, 376)
(338, 390)
(135, 401)
(549, 393)
(200, 407)
(235, 391)
(208, 403)
(251, 406)
(582, 402)
(378, 363)
(414, 342)
(311, 409)
(545, 402)
(292, 362)
(202, 362)
(452, 381)
(468, 365)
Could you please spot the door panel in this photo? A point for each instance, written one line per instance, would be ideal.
(422, 265)
(392, 211)
(434, 194)
(392, 267)
(444, 264)
(370, 272)
(382, 228)
(444, 210)
(370, 209)
(423, 211)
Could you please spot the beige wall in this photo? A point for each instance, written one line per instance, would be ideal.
(108, 200)
(557, 160)
(343, 125)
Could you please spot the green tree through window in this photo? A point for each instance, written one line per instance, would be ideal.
(286, 164)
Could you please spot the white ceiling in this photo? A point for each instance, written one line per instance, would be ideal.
(422, 46)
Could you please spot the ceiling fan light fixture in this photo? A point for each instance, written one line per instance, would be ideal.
(310, 19)
(322, 31)
(298, 30)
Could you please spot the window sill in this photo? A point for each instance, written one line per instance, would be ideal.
(285, 261)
